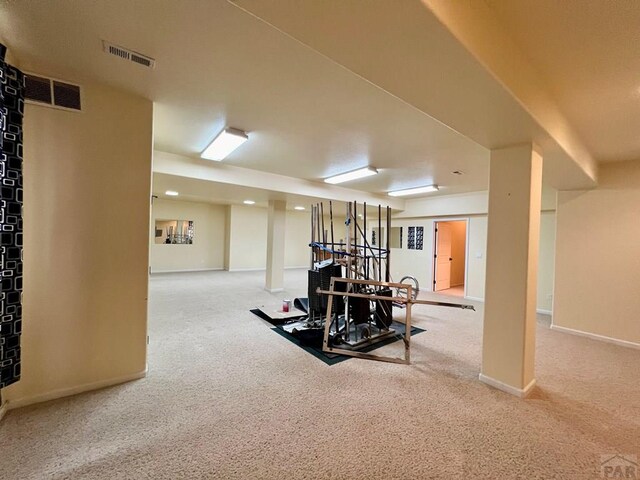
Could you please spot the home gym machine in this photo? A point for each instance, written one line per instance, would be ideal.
(350, 290)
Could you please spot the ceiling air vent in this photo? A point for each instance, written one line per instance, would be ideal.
(54, 93)
(127, 54)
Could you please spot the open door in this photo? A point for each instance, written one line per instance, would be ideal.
(442, 261)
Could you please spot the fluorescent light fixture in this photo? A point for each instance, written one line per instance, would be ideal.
(298, 208)
(353, 175)
(248, 202)
(226, 142)
(171, 193)
(414, 191)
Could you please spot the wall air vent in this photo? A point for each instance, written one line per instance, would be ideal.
(53, 93)
(127, 54)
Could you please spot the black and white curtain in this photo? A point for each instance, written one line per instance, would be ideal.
(11, 112)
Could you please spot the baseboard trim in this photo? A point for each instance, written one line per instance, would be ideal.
(67, 392)
(518, 392)
(478, 299)
(3, 409)
(595, 336)
(264, 269)
(153, 272)
(475, 299)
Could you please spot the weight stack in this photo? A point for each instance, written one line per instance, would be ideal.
(384, 308)
(360, 309)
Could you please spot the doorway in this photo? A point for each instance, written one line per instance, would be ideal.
(450, 257)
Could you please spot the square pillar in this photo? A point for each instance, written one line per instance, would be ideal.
(515, 190)
(274, 281)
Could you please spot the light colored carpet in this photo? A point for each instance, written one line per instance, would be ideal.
(227, 398)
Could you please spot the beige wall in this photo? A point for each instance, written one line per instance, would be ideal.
(419, 263)
(598, 256)
(476, 264)
(207, 250)
(297, 237)
(416, 263)
(546, 261)
(86, 212)
(474, 208)
(247, 238)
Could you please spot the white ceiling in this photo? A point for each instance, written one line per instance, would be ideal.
(198, 190)
(589, 53)
(404, 48)
(307, 114)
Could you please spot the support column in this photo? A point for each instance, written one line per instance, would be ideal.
(275, 246)
(515, 190)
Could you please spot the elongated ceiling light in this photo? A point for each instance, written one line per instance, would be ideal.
(414, 191)
(226, 142)
(171, 193)
(353, 175)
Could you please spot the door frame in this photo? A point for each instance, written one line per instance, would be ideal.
(435, 246)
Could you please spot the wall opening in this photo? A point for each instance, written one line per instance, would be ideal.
(450, 257)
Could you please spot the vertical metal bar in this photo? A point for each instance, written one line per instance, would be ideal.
(379, 242)
(333, 246)
(355, 236)
(318, 226)
(364, 236)
(388, 263)
(407, 326)
(327, 323)
(347, 327)
(324, 236)
(312, 236)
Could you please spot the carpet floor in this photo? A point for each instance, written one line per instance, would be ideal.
(227, 398)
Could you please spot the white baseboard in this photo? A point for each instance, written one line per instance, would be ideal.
(274, 290)
(187, 270)
(478, 299)
(475, 299)
(518, 392)
(595, 336)
(247, 270)
(3, 409)
(67, 392)
(263, 269)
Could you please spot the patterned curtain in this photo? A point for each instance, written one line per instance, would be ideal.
(11, 112)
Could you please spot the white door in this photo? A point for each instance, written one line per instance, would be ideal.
(442, 257)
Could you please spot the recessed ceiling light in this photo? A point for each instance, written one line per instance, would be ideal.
(248, 202)
(171, 193)
(414, 191)
(298, 208)
(225, 142)
(458, 172)
(353, 175)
